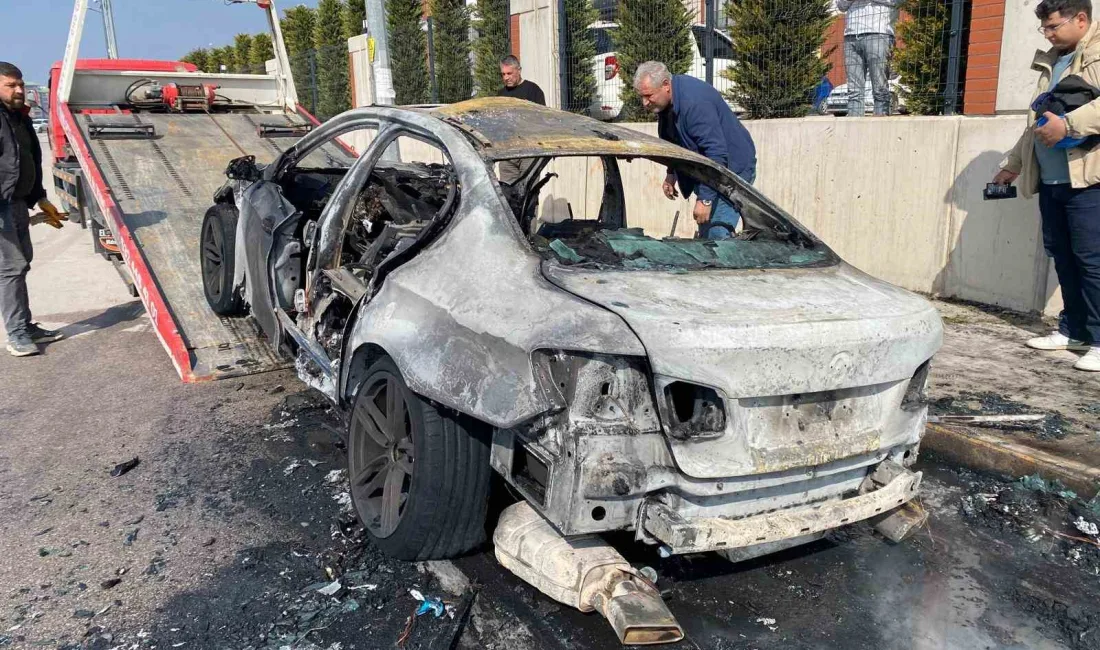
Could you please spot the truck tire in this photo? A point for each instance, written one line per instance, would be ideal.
(217, 243)
(419, 475)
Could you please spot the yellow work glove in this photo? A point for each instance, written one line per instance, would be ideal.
(50, 215)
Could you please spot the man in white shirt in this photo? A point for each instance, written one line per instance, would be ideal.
(868, 42)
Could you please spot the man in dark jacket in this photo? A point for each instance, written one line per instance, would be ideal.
(692, 114)
(20, 188)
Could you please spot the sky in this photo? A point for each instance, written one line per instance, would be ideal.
(35, 31)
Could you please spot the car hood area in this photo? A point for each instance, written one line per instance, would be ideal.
(767, 333)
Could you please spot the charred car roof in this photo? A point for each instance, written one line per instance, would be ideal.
(504, 128)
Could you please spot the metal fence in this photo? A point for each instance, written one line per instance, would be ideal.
(769, 58)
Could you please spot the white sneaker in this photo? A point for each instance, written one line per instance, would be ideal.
(1091, 361)
(1058, 341)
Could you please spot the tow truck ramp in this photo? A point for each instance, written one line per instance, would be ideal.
(161, 172)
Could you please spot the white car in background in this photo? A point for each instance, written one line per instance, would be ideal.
(607, 103)
(837, 102)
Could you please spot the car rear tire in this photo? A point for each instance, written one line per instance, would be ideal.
(216, 259)
(419, 475)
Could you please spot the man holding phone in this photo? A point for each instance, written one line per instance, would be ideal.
(1067, 180)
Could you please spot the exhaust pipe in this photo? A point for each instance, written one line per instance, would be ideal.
(586, 573)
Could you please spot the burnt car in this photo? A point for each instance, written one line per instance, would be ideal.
(740, 396)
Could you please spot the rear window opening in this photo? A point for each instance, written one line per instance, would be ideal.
(575, 212)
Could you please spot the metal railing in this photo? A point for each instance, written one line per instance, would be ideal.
(768, 58)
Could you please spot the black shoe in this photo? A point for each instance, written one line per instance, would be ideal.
(42, 335)
(21, 345)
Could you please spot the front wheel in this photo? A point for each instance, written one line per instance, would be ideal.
(216, 256)
(419, 476)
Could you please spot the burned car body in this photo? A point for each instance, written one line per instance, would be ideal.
(739, 396)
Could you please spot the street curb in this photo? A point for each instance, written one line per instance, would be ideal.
(989, 453)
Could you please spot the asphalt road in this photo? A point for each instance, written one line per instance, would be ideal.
(233, 517)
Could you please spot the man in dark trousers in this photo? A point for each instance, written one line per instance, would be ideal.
(519, 88)
(20, 188)
(693, 115)
(1067, 180)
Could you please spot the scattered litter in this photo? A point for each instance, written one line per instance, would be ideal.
(428, 604)
(1087, 527)
(331, 589)
(123, 468)
(649, 573)
(135, 521)
(282, 425)
(110, 583)
(209, 541)
(289, 469)
(368, 587)
(343, 499)
(1039, 484)
(768, 623)
(978, 420)
(131, 537)
(335, 476)
(83, 613)
(43, 531)
(315, 463)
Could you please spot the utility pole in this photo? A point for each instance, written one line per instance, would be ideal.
(109, 28)
(384, 93)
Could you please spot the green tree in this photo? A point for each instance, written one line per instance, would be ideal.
(223, 56)
(332, 59)
(451, 21)
(408, 51)
(242, 46)
(650, 30)
(580, 48)
(777, 55)
(261, 51)
(298, 23)
(355, 12)
(199, 57)
(922, 56)
(492, 43)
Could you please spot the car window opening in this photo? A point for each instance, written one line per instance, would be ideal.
(645, 233)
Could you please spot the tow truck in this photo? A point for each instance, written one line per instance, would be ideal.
(138, 150)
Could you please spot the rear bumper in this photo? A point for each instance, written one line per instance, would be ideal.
(888, 488)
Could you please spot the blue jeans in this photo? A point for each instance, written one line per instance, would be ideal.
(1071, 235)
(868, 55)
(723, 216)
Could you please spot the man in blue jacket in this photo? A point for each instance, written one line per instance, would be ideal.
(693, 115)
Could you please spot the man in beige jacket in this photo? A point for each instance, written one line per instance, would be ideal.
(1066, 180)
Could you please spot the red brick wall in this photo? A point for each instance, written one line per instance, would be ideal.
(514, 35)
(984, 57)
(834, 38)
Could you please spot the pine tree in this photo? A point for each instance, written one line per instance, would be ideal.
(777, 55)
(651, 30)
(199, 57)
(922, 56)
(223, 56)
(332, 59)
(355, 12)
(580, 48)
(262, 50)
(492, 43)
(408, 51)
(452, 49)
(298, 23)
(242, 46)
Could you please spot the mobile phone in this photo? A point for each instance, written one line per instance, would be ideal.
(995, 192)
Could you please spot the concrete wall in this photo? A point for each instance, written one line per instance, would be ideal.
(1020, 40)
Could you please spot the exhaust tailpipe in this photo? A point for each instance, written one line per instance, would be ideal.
(586, 573)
